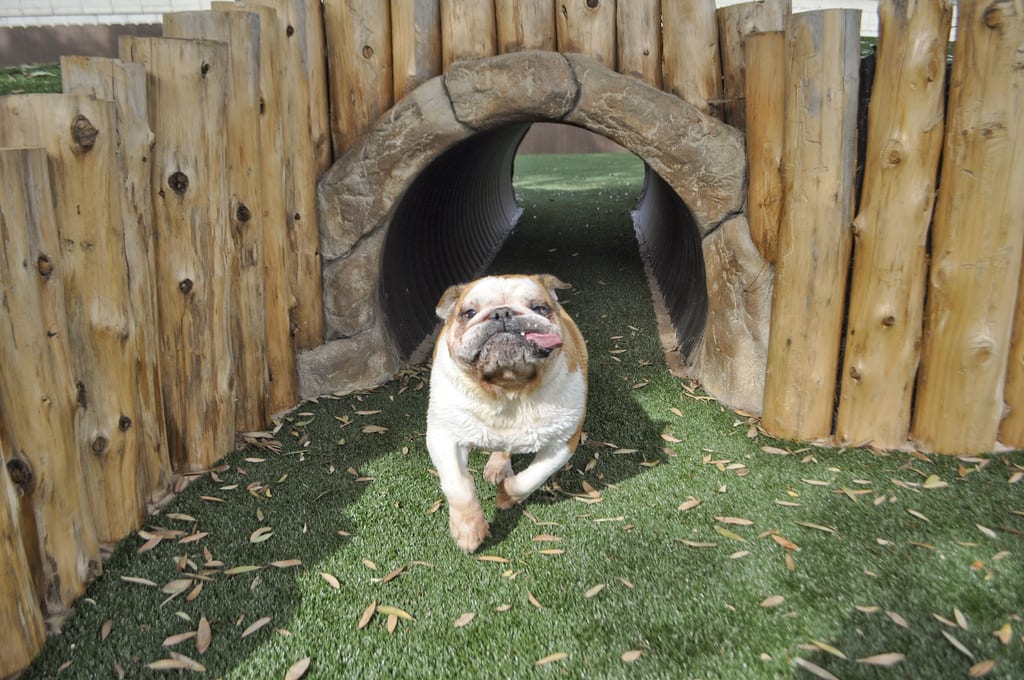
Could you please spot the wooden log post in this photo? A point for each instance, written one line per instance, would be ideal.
(188, 82)
(79, 134)
(20, 615)
(764, 99)
(415, 43)
(691, 67)
(468, 31)
(638, 27)
(587, 27)
(525, 25)
(278, 264)
(125, 85)
(977, 238)
(887, 284)
(38, 397)
(241, 32)
(818, 159)
(301, 172)
(735, 23)
(359, 53)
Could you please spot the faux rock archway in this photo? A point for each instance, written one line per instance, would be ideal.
(425, 199)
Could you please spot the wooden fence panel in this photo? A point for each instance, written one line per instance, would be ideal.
(188, 82)
(125, 85)
(887, 284)
(20, 616)
(468, 31)
(524, 25)
(638, 28)
(38, 398)
(735, 23)
(241, 32)
(278, 263)
(587, 28)
(361, 71)
(415, 43)
(692, 69)
(79, 134)
(823, 62)
(977, 237)
(764, 92)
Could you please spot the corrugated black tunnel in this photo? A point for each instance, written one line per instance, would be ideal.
(455, 215)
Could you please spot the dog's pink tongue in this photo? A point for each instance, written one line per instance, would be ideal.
(544, 340)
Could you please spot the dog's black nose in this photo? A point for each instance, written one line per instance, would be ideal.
(501, 314)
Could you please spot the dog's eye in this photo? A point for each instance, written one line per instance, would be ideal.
(543, 310)
(467, 314)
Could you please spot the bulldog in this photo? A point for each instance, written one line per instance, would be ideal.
(509, 376)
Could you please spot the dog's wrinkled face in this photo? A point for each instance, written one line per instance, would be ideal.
(503, 329)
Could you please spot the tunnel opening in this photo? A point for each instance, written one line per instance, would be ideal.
(453, 219)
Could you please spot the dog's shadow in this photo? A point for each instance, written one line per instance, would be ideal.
(622, 442)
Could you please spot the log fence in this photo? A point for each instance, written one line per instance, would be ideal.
(160, 265)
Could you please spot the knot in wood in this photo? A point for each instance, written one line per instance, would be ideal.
(855, 373)
(99, 445)
(889, 319)
(178, 181)
(123, 423)
(242, 213)
(21, 474)
(290, 31)
(185, 286)
(367, 52)
(592, 4)
(204, 69)
(892, 154)
(83, 132)
(993, 16)
(44, 265)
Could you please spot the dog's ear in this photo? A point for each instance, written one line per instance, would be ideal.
(552, 283)
(448, 301)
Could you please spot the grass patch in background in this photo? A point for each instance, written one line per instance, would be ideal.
(678, 543)
(24, 79)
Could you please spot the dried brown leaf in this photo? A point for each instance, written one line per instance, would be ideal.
(177, 639)
(594, 590)
(632, 655)
(825, 647)
(533, 600)
(255, 626)
(772, 601)
(897, 619)
(368, 613)
(395, 611)
(105, 629)
(492, 558)
(284, 564)
(203, 635)
(1004, 634)
(981, 669)
(960, 619)
(551, 658)
(298, 669)
(736, 521)
(886, 659)
(138, 580)
(331, 579)
(464, 620)
(814, 669)
(391, 624)
(958, 645)
(689, 504)
(546, 538)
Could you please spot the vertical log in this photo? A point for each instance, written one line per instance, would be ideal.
(818, 158)
(977, 236)
(415, 43)
(20, 615)
(79, 134)
(587, 27)
(765, 93)
(37, 398)
(278, 264)
(125, 85)
(887, 283)
(301, 168)
(735, 23)
(188, 82)
(691, 70)
(638, 24)
(307, 18)
(525, 25)
(359, 53)
(468, 31)
(241, 32)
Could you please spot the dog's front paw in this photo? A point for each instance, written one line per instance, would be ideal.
(504, 499)
(498, 467)
(468, 526)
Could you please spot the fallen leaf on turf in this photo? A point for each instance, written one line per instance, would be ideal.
(590, 490)
(698, 544)
(985, 530)
(958, 645)
(689, 504)
(138, 580)
(367, 615)
(203, 635)
(177, 663)
(434, 507)
(788, 504)
(255, 626)
(391, 575)
(981, 669)
(297, 669)
(739, 554)
(245, 568)
(960, 619)
(933, 482)
(944, 621)
(785, 542)
(729, 534)
(815, 482)
(551, 658)
(374, 429)
(825, 647)
(670, 438)
(178, 585)
(737, 521)
(331, 579)
(172, 640)
(492, 558)
(897, 619)
(632, 655)
(533, 600)
(772, 601)
(260, 535)
(1004, 634)
(814, 669)
(464, 619)
(503, 608)
(868, 609)
(887, 659)
(391, 624)
(370, 564)
(395, 611)
(594, 590)
(546, 538)
(105, 629)
(284, 564)
(551, 551)
(776, 451)
(918, 515)
(817, 527)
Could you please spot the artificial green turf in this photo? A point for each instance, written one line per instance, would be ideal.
(34, 78)
(692, 611)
